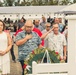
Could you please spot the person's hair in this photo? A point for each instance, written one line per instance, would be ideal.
(3, 24)
(48, 23)
(54, 24)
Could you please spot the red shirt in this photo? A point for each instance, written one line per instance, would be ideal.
(18, 31)
(35, 30)
(39, 33)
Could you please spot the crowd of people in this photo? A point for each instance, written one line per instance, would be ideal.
(29, 35)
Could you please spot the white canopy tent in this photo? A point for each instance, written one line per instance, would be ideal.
(69, 10)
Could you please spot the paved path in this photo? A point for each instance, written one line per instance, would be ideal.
(15, 67)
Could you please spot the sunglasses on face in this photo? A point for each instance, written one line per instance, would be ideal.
(47, 26)
(28, 26)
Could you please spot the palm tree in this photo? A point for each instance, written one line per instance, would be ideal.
(33, 2)
(17, 3)
(74, 1)
(23, 3)
(37, 2)
(1, 4)
(8, 2)
(52, 2)
(40, 2)
(65, 2)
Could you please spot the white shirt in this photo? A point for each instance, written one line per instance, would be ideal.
(56, 42)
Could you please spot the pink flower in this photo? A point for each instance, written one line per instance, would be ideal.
(33, 52)
(57, 53)
(24, 66)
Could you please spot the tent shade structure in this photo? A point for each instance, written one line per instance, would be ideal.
(69, 10)
(66, 12)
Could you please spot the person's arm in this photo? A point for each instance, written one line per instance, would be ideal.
(45, 34)
(22, 41)
(64, 49)
(9, 43)
(40, 46)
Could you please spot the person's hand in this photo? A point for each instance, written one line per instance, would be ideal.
(28, 36)
(66, 35)
(51, 29)
(64, 57)
(2, 53)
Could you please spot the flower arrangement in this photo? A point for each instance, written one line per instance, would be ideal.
(37, 55)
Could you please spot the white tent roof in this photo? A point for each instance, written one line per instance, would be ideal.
(70, 8)
(31, 9)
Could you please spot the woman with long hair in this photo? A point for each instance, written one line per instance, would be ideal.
(5, 46)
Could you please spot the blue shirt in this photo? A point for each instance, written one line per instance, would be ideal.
(61, 27)
(27, 47)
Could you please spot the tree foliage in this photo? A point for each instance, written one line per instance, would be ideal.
(1, 4)
(8, 2)
(35, 2)
(74, 1)
(65, 2)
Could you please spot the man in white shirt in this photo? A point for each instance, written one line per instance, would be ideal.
(57, 41)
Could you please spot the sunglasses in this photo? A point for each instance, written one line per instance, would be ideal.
(47, 26)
